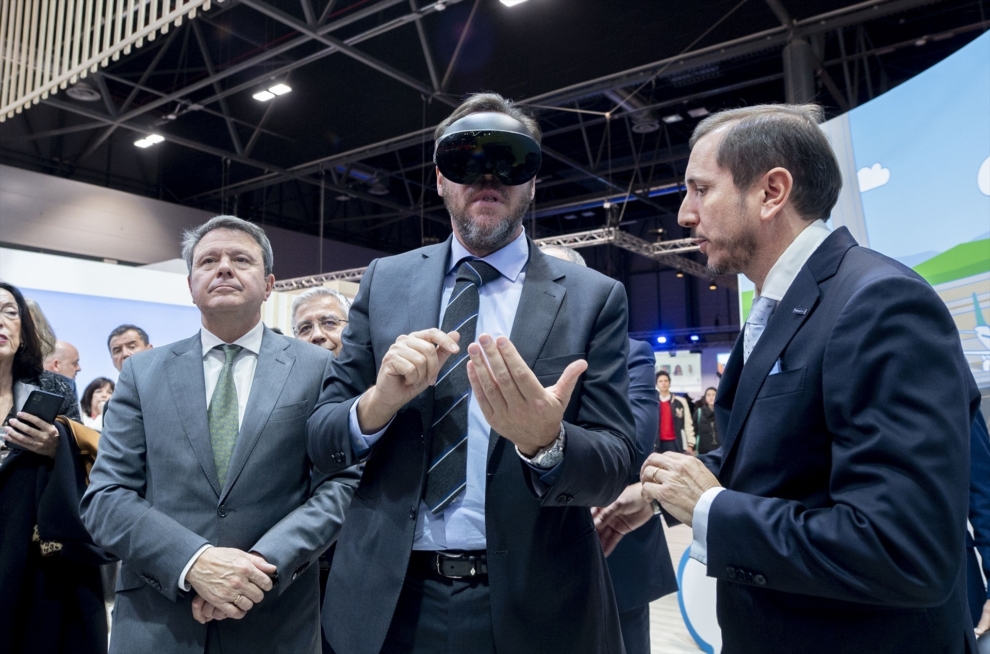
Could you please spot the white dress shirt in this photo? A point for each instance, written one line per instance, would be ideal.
(779, 279)
(245, 363)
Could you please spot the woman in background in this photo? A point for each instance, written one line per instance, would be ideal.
(51, 598)
(706, 428)
(93, 400)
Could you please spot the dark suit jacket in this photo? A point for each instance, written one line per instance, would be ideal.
(155, 499)
(550, 590)
(640, 565)
(979, 516)
(842, 529)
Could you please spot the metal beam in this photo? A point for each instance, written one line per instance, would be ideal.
(427, 54)
(666, 252)
(354, 53)
(204, 52)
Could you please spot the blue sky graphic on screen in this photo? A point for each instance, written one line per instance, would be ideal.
(919, 152)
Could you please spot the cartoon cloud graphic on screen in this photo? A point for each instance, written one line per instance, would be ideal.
(983, 177)
(872, 177)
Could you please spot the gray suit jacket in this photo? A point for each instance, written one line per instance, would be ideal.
(550, 591)
(154, 498)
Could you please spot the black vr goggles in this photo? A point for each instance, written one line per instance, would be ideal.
(487, 143)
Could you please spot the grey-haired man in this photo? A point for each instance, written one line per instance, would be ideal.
(319, 315)
(202, 486)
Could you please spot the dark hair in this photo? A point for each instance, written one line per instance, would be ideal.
(663, 373)
(28, 360)
(710, 388)
(95, 385)
(480, 102)
(768, 136)
(126, 328)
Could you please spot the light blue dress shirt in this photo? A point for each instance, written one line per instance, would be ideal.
(461, 526)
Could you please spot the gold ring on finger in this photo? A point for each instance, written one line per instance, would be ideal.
(235, 600)
(655, 471)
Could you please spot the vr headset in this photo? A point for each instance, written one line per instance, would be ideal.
(487, 143)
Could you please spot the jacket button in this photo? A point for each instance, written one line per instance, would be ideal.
(760, 580)
(222, 510)
(730, 572)
(749, 577)
(412, 512)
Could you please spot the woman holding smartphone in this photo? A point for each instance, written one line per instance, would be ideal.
(51, 598)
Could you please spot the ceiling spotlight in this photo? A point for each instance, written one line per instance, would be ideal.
(440, 5)
(274, 90)
(699, 112)
(378, 186)
(149, 140)
(512, 3)
(661, 339)
(694, 338)
(679, 274)
(83, 92)
(672, 118)
(343, 197)
(570, 216)
(713, 286)
(587, 214)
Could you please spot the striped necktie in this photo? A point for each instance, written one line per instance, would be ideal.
(222, 413)
(447, 475)
(759, 316)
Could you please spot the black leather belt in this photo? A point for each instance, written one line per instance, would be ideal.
(452, 565)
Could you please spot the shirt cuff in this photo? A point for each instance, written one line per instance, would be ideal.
(182, 577)
(699, 546)
(360, 441)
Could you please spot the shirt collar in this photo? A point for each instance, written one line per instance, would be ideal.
(250, 341)
(787, 267)
(509, 261)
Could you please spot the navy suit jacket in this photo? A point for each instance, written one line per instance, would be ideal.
(640, 565)
(979, 515)
(550, 590)
(842, 526)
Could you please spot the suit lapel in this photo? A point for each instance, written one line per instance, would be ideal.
(187, 383)
(538, 307)
(783, 324)
(270, 375)
(425, 312)
(794, 309)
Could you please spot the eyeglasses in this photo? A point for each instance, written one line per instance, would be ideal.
(327, 325)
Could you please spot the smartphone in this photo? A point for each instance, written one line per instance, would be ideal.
(44, 405)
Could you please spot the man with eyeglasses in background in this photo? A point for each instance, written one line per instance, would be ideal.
(319, 316)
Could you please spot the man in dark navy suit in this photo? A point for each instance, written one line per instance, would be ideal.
(833, 515)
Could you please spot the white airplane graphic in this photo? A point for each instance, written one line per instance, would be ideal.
(982, 331)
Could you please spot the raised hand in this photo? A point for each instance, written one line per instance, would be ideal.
(408, 368)
(511, 397)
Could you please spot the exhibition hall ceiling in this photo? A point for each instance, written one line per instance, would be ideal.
(618, 85)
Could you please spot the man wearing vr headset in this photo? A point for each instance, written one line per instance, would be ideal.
(485, 386)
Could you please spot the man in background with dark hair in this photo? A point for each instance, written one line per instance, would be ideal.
(676, 430)
(126, 341)
(470, 530)
(833, 515)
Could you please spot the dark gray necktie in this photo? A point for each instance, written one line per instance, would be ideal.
(222, 413)
(446, 476)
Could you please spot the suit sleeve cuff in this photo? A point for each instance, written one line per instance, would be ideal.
(362, 442)
(699, 545)
(182, 577)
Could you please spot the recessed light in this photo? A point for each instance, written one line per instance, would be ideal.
(279, 89)
(263, 96)
(512, 3)
(149, 140)
(679, 274)
(713, 286)
(672, 118)
(587, 214)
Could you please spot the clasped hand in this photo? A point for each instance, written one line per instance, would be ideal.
(677, 481)
(228, 583)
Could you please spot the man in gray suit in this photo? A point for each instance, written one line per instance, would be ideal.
(202, 486)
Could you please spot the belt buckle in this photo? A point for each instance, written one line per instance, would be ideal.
(471, 573)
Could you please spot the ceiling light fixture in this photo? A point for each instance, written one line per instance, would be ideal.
(149, 140)
(83, 92)
(699, 112)
(672, 118)
(512, 3)
(679, 274)
(713, 286)
(273, 91)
